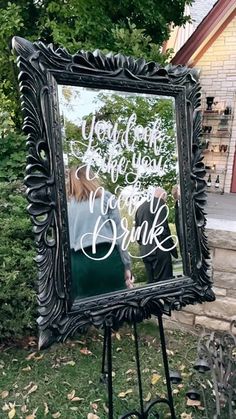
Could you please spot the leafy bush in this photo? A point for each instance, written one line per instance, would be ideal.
(13, 152)
(17, 269)
(13, 143)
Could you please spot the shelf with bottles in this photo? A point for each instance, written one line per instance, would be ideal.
(219, 134)
(212, 169)
(214, 183)
(221, 149)
(216, 115)
(216, 153)
(217, 122)
(215, 140)
(213, 190)
(216, 107)
(213, 172)
(207, 150)
(220, 130)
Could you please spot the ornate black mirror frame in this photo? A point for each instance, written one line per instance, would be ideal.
(41, 68)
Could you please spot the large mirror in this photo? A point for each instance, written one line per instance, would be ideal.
(123, 191)
(116, 187)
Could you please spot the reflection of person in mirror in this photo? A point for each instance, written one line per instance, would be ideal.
(97, 267)
(157, 259)
(176, 196)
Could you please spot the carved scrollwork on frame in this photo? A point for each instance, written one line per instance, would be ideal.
(41, 67)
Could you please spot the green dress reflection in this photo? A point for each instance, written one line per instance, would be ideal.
(91, 276)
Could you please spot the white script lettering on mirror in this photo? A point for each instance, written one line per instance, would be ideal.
(125, 146)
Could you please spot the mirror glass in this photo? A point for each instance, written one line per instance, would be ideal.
(123, 194)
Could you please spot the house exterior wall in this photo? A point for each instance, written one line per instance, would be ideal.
(218, 79)
(220, 314)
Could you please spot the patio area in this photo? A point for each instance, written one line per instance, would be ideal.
(221, 211)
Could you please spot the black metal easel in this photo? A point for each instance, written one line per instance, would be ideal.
(106, 377)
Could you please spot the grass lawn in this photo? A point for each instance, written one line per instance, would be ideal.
(63, 381)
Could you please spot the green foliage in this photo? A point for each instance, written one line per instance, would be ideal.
(130, 27)
(126, 26)
(12, 156)
(12, 144)
(17, 269)
(90, 24)
(10, 23)
(135, 42)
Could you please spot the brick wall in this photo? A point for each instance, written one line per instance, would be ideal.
(218, 79)
(219, 314)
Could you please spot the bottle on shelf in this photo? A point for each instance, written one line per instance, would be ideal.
(217, 182)
(209, 181)
(228, 110)
(210, 101)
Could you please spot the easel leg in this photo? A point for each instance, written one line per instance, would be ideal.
(103, 378)
(109, 373)
(166, 367)
(138, 370)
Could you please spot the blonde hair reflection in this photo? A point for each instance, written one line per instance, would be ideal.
(160, 193)
(82, 181)
(176, 192)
